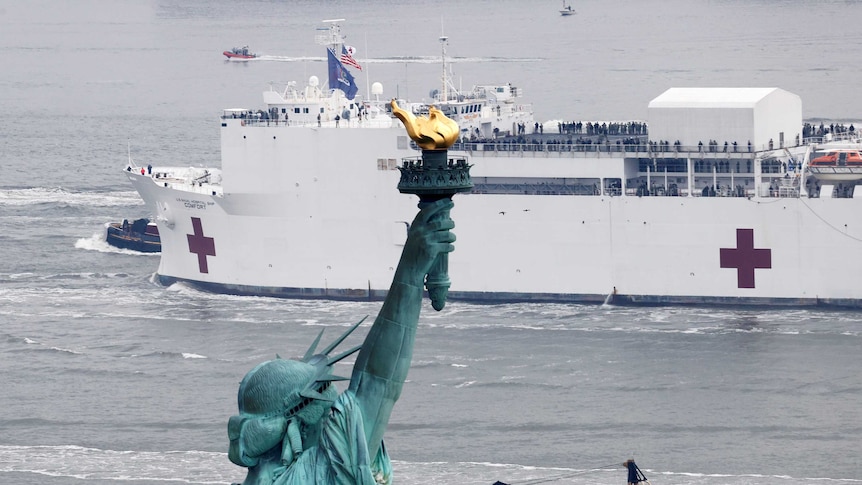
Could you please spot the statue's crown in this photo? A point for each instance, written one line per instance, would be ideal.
(285, 386)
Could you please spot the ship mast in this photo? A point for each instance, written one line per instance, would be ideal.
(331, 37)
(444, 97)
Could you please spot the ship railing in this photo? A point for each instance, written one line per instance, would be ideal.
(704, 168)
(724, 191)
(578, 189)
(835, 170)
(251, 121)
(203, 188)
(598, 150)
(521, 149)
(847, 136)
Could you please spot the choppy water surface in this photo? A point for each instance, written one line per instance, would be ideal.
(110, 378)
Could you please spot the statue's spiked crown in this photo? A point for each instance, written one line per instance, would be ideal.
(285, 387)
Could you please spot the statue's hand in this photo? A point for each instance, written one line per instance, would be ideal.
(428, 236)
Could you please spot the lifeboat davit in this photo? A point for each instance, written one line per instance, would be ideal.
(837, 165)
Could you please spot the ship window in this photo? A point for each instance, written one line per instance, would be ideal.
(296, 110)
(283, 110)
(305, 110)
(536, 185)
(613, 187)
(661, 165)
(387, 164)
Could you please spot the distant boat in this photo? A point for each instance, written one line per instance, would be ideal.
(567, 10)
(239, 53)
(140, 235)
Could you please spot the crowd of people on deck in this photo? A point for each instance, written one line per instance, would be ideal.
(809, 130)
(604, 128)
(628, 136)
(590, 128)
(475, 142)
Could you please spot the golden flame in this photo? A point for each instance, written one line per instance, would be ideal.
(436, 132)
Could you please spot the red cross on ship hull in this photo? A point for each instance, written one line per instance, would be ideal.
(745, 258)
(201, 245)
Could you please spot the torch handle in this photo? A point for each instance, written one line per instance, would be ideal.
(437, 280)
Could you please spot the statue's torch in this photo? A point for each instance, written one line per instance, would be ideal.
(433, 177)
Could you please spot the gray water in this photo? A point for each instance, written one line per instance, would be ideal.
(110, 378)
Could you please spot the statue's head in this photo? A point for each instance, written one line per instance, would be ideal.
(279, 393)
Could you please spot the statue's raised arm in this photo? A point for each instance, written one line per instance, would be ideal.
(384, 359)
(294, 428)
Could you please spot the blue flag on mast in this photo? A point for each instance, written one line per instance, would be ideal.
(339, 77)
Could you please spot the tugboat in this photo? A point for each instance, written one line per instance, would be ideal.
(140, 235)
(239, 54)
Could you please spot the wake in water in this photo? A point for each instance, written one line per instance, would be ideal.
(404, 59)
(58, 196)
(35, 345)
(97, 242)
(204, 467)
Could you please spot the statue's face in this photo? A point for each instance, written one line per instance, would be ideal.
(310, 416)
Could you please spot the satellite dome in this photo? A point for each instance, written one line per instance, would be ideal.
(313, 81)
(377, 88)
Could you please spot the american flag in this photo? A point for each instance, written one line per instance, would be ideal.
(347, 57)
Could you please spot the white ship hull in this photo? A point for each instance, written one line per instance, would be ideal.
(327, 221)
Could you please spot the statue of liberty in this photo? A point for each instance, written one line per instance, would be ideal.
(293, 425)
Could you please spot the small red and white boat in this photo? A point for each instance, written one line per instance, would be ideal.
(239, 53)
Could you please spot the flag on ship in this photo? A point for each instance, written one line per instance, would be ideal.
(339, 77)
(347, 52)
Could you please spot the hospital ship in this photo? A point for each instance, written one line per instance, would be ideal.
(721, 203)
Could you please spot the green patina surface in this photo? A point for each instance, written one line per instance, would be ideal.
(294, 427)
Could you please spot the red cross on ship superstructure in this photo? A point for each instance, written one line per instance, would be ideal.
(201, 245)
(745, 258)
